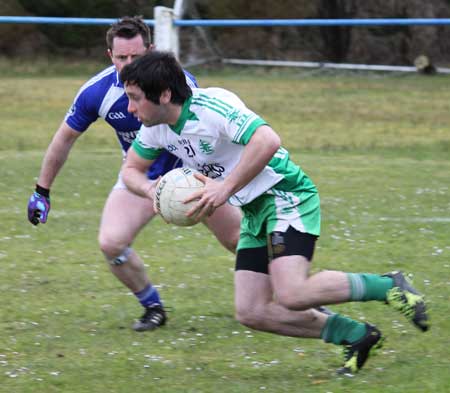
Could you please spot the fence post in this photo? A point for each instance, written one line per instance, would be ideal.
(166, 33)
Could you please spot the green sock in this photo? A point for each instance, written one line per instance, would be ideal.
(366, 286)
(341, 330)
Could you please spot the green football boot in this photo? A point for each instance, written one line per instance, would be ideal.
(356, 354)
(406, 299)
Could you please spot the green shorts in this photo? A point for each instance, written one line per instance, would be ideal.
(275, 211)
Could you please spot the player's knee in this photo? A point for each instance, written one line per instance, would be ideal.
(250, 317)
(233, 239)
(225, 224)
(230, 243)
(120, 258)
(116, 253)
(107, 246)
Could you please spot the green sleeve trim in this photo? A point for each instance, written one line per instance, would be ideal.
(146, 153)
(245, 138)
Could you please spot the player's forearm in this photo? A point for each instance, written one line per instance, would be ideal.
(257, 153)
(134, 174)
(137, 182)
(54, 159)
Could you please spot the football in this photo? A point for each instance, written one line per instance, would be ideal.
(174, 187)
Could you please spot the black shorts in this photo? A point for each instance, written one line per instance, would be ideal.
(280, 244)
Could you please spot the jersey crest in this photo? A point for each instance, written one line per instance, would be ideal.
(205, 147)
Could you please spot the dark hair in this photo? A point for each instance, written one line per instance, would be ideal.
(156, 72)
(128, 27)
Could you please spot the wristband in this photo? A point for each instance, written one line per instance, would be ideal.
(45, 192)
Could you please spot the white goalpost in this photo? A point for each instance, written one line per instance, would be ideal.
(165, 32)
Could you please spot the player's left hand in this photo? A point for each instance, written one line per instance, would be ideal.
(38, 208)
(209, 198)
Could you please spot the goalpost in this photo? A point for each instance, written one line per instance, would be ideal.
(165, 30)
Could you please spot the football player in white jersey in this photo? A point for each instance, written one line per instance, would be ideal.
(125, 213)
(241, 161)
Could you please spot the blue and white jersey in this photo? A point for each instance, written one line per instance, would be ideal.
(104, 96)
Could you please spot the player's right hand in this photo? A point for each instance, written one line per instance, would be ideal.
(38, 208)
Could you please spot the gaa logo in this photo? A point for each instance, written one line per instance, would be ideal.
(116, 115)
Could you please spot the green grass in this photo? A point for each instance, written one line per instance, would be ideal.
(376, 146)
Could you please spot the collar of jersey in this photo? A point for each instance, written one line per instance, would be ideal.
(118, 81)
(185, 115)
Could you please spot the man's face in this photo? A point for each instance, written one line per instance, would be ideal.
(124, 50)
(147, 112)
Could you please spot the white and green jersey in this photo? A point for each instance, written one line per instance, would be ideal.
(210, 136)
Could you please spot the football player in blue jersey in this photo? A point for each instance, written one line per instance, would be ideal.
(125, 213)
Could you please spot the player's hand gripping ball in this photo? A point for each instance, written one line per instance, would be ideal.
(172, 189)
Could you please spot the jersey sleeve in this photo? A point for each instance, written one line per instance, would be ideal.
(84, 110)
(238, 122)
(144, 146)
(245, 126)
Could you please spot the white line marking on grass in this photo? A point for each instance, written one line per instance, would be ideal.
(416, 219)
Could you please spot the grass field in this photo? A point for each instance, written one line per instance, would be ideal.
(378, 148)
